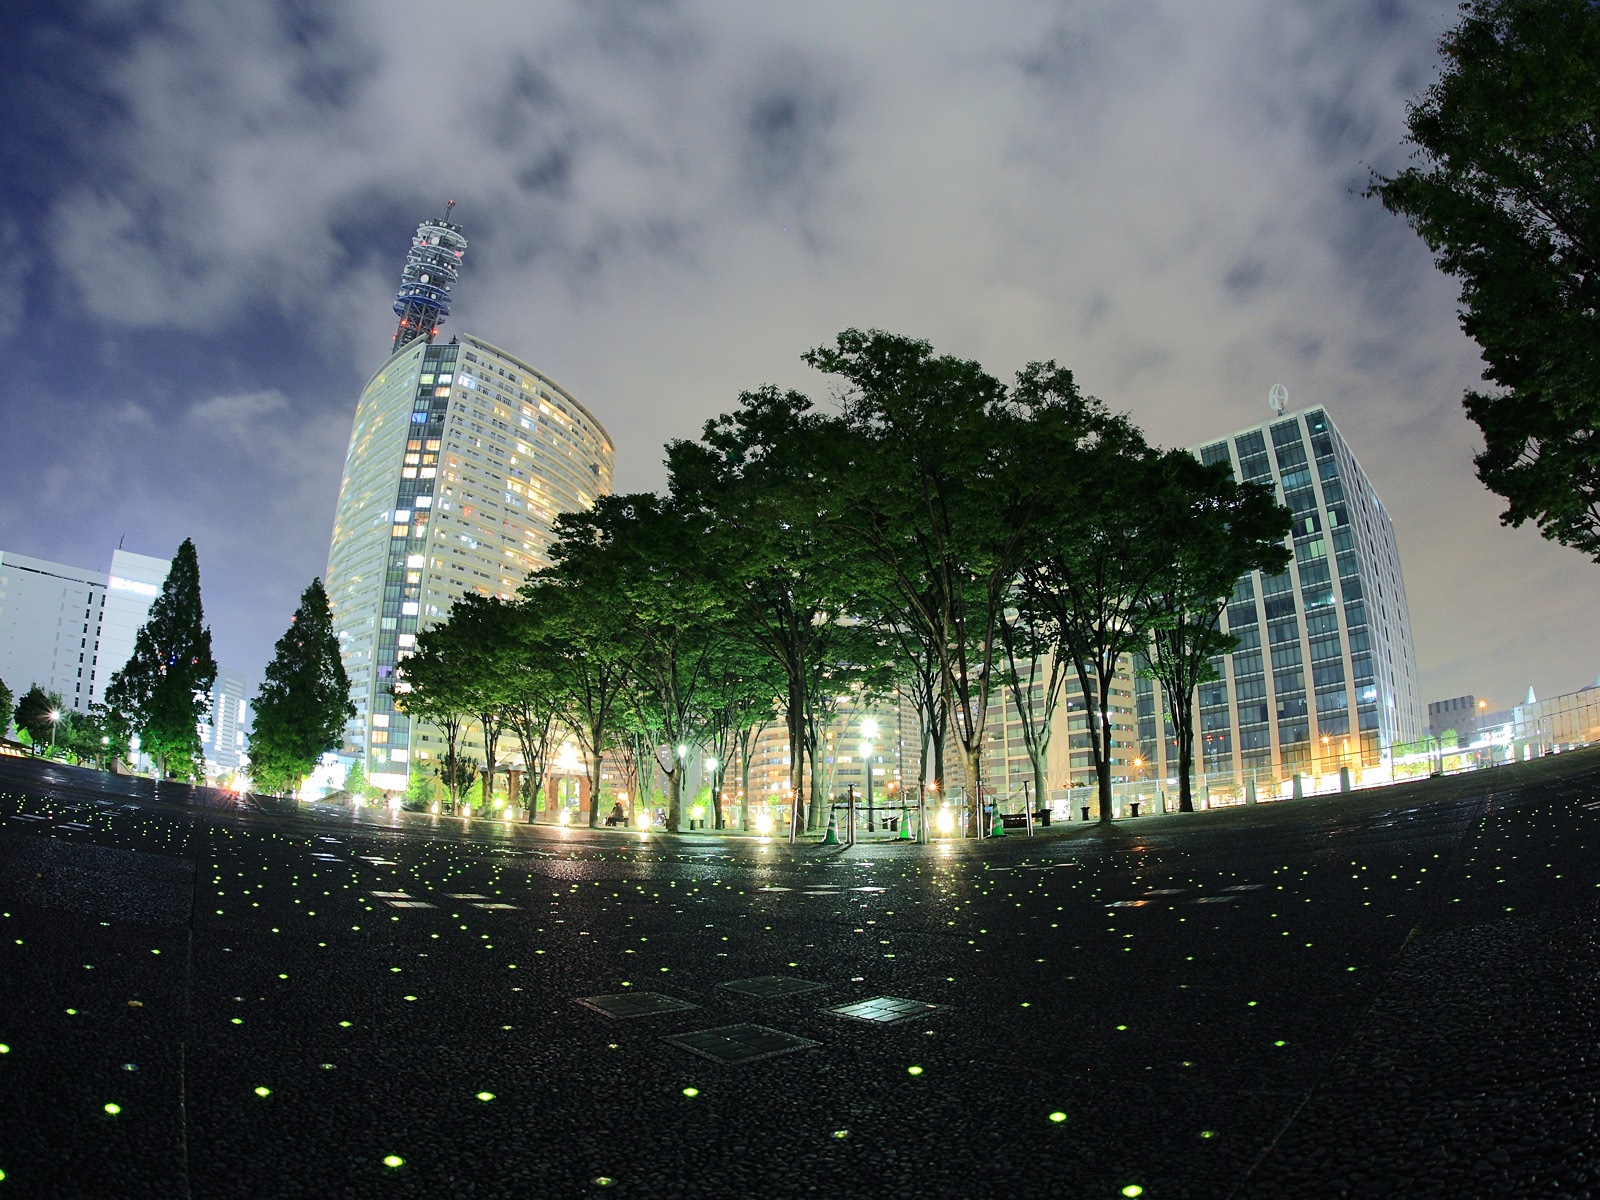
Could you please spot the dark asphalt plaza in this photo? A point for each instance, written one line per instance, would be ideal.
(1393, 993)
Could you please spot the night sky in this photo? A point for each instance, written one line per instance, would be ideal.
(204, 210)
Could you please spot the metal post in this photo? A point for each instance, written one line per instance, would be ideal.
(922, 816)
(1027, 807)
(850, 812)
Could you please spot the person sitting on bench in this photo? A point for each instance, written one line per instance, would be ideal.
(618, 816)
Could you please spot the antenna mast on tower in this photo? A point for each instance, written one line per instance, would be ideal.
(434, 261)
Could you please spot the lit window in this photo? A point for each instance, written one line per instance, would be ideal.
(406, 640)
(414, 560)
(380, 720)
(408, 609)
(424, 501)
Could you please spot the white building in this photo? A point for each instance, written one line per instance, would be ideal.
(460, 459)
(224, 736)
(1325, 673)
(68, 629)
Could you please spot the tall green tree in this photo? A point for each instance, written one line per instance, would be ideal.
(304, 701)
(434, 685)
(1093, 564)
(1215, 530)
(520, 655)
(1505, 190)
(590, 661)
(760, 485)
(6, 701)
(945, 497)
(164, 689)
(41, 713)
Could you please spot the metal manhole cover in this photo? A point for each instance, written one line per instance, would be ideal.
(769, 987)
(884, 1010)
(734, 1044)
(409, 904)
(634, 1004)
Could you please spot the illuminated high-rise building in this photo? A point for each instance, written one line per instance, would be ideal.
(1324, 677)
(460, 459)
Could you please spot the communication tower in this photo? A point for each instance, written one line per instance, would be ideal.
(434, 261)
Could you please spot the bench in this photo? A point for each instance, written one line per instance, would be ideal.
(1020, 820)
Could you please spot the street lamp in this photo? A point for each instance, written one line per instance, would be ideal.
(869, 730)
(716, 802)
(55, 719)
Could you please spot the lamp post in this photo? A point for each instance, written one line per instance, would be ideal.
(869, 730)
(55, 719)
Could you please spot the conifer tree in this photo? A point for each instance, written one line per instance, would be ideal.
(163, 690)
(302, 707)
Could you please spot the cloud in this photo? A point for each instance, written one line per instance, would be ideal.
(668, 202)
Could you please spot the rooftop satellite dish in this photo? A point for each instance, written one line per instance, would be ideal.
(1278, 397)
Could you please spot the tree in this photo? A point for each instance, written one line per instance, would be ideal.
(163, 690)
(432, 685)
(40, 713)
(1094, 562)
(94, 737)
(6, 700)
(355, 781)
(925, 436)
(638, 556)
(1506, 193)
(758, 483)
(477, 629)
(304, 701)
(1217, 530)
(589, 659)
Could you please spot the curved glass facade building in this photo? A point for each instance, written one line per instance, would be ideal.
(460, 458)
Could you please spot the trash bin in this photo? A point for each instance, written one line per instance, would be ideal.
(1134, 805)
(1085, 811)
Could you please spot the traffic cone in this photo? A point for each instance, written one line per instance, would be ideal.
(998, 829)
(905, 826)
(831, 836)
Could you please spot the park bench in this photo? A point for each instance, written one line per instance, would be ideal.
(1020, 820)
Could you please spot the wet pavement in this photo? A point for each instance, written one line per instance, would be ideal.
(1392, 993)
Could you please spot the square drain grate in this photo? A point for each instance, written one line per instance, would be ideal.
(885, 1010)
(734, 1044)
(634, 1004)
(770, 987)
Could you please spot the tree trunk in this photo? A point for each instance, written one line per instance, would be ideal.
(594, 789)
(1183, 730)
(674, 796)
(1041, 781)
(795, 718)
(1103, 766)
(974, 762)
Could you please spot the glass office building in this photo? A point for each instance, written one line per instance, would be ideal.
(1324, 676)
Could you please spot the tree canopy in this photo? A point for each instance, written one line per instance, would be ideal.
(1505, 190)
(304, 701)
(163, 691)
